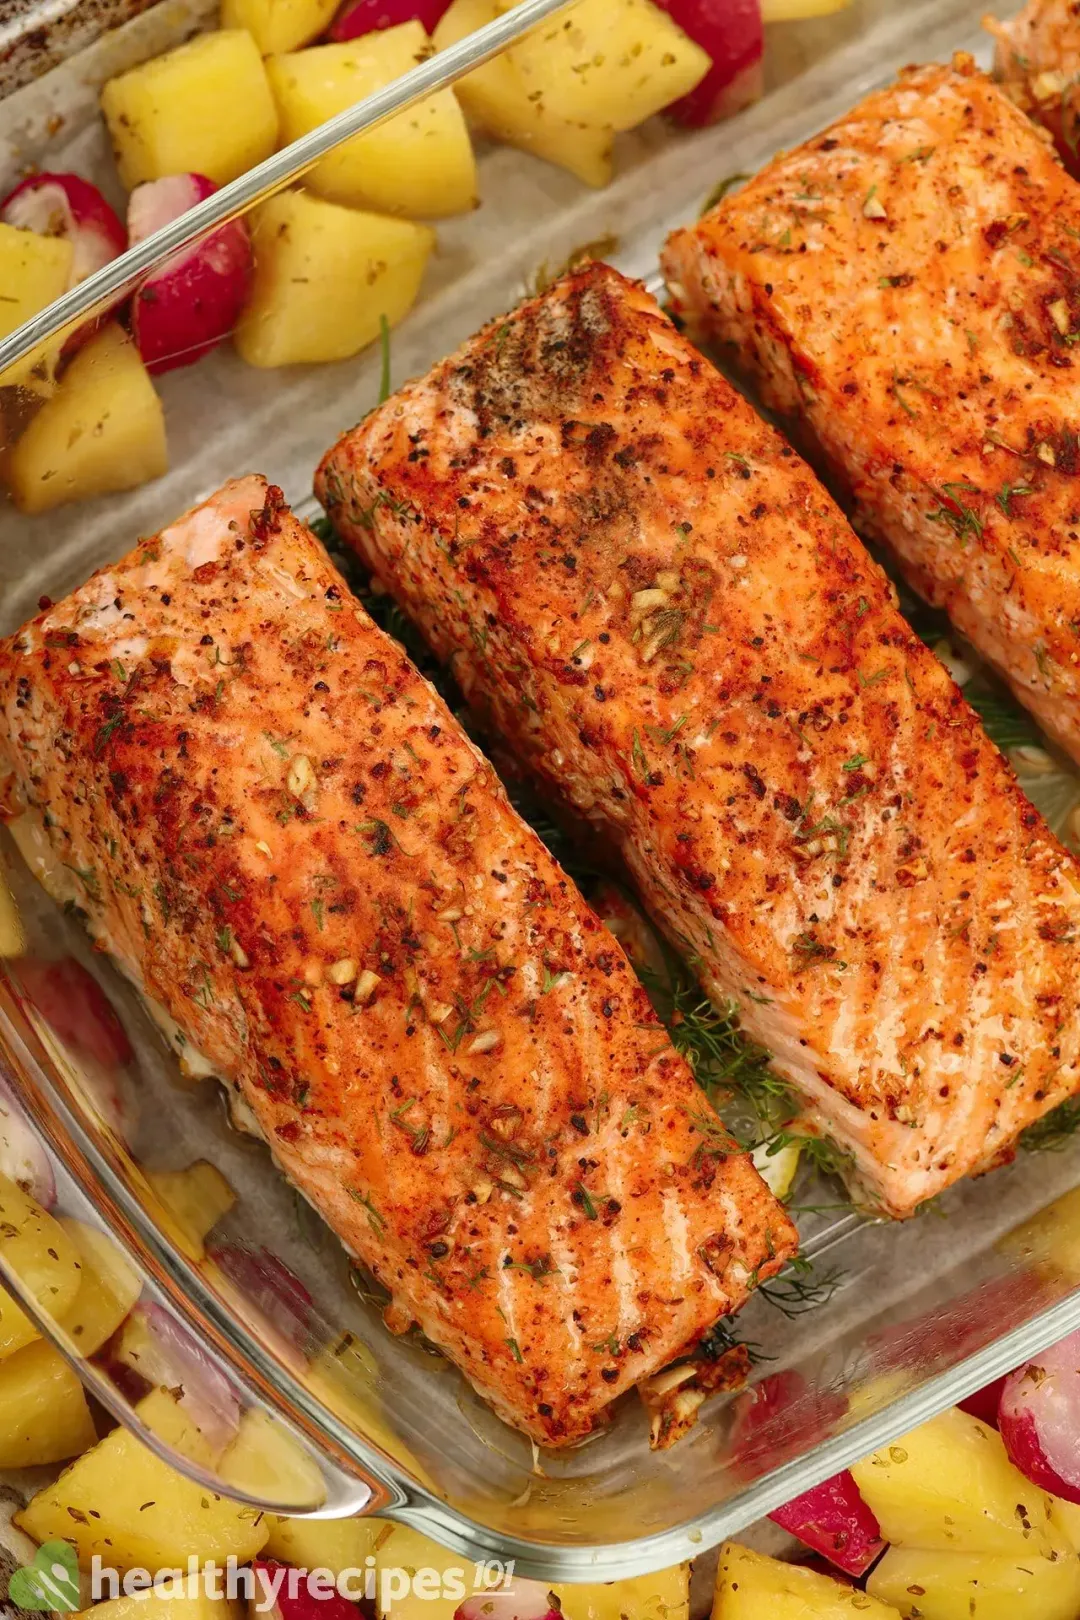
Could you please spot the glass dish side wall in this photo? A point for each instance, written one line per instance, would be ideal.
(922, 1313)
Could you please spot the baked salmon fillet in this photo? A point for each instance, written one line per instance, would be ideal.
(906, 287)
(283, 835)
(675, 627)
(1037, 64)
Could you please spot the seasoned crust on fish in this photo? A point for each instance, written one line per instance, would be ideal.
(282, 833)
(673, 625)
(906, 286)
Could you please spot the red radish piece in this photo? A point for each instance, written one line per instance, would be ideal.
(832, 1519)
(272, 1288)
(65, 205)
(984, 1403)
(730, 32)
(76, 1008)
(295, 1596)
(359, 17)
(22, 1156)
(169, 1355)
(191, 302)
(1039, 1419)
(521, 1600)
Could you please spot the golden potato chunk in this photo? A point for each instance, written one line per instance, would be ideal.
(279, 25)
(324, 276)
(203, 108)
(420, 164)
(44, 1417)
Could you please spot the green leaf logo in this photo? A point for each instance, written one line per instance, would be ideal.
(50, 1582)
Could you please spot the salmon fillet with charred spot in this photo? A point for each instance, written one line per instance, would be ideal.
(906, 287)
(1037, 64)
(282, 833)
(672, 622)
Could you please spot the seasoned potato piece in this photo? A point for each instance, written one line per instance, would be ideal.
(33, 271)
(145, 1514)
(278, 25)
(323, 277)
(333, 1544)
(950, 1486)
(102, 431)
(497, 101)
(41, 1255)
(186, 1599)
(109, 1286)
(967, 1586)
(750, 1586)
(663, 1596)
(44, 1417)
(608, 63)
(265, 1460)
(203, 108)
(197, 1197)
(420, 164)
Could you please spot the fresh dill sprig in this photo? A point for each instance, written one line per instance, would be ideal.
(797, 1289)
(1055, 1130)
(722, 1338)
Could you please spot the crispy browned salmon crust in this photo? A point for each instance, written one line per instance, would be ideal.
(281, 831)
(1037, 64)
(907, 285)
(676, 628)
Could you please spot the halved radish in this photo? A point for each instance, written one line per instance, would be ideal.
(358, 17)
(77, 1009)
(272, 1288)
(520, 1600)
(833, 1520)
(68, 206)
(286, 1593)
(154, 1345)
(1039, 1418)
(985, 1403)
(192, 301)
(730, 32)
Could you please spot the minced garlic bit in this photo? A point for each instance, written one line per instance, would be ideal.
(366, 985)
(343, 972)
(643, 602)
(301, 778)
(264, 849)
(1045, 453)
(1045, 86)
(1059, 314)
(486, 1041)
(873, 207)
(239, 955)
(439, 1012)
(483, 1189)
(451, 914)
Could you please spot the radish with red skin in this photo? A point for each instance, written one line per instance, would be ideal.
(292, 1596)
(359, 17)
(731, 34)
(272, 1288)
(521, 1600)
(77, 1009)
(190, 303)
(68, 206)
(1039, 1419)
(985, 1403)
(832, 1519)
(154, 1345)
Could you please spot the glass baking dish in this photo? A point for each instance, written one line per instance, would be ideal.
(891, 1323)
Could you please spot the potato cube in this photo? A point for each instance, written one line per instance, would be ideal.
(102, 431)
(663, 1596)
(279, 25)
(420, 164)
(333, 1544)
(448, 1576)
(186, 1599)
(121, 1501)
(496, 100)
(608, 63)
(949, 1485)
(264, 1460)
(109, 1285)
(41, 1255)
(324, 276)
(197, 1197)
(44, 1417)
(203, 108)
(750, 1586)
(33, 271)
(968, 1586)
